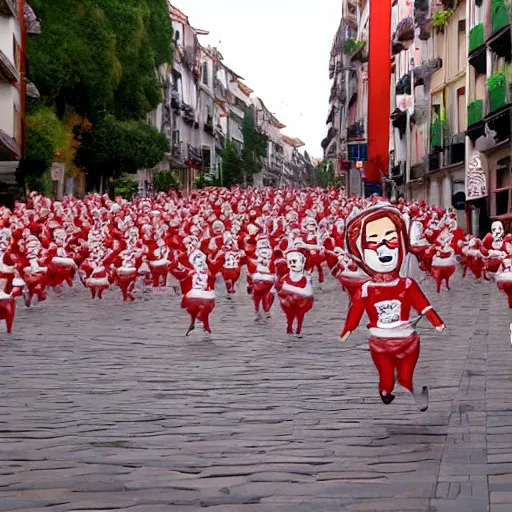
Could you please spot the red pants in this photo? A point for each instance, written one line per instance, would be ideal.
(506, 286)
(389, 354)
(442, 273)
(261, 294)
(295, 307)
(200, 309)
(231, 277)
(58, 274)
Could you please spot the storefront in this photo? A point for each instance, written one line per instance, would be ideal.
(443, 184)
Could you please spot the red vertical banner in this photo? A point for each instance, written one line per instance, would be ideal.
(379, 90)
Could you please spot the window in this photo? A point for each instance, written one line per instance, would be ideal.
(205, 73)
(206, 158)
(462, 45)
(462, 109)
(358, 152)
(17, 54)
(503, 191)
(17, 126)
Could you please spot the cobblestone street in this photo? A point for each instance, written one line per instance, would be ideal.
(108, 406)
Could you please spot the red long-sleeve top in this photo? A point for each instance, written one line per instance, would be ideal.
(387, 306)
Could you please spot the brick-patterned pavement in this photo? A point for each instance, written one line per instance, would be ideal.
(108, 406)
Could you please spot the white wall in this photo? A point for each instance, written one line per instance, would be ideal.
(9, 28)
(9, 97)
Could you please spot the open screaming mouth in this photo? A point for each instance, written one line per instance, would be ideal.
(385, 259)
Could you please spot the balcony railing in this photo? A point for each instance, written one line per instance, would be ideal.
(356, 130)
(500, 17)
(208, 125)
(498, 87)
(8, 8)
(475, 112)
(476, 37)
(188, 113)
(417, 171)
(7, 69)
(438, 130)
(434, 161)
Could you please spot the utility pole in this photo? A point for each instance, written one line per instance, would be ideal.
(379, 90)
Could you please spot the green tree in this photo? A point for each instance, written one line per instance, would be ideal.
(206, 180)
(164, 181)
(325, 176)
(113, 148)
(98, 59)
(160, 32)
(100, 56)
(255, 145)
(74, 60)
(46, 138)
(232, 165)
(126, 187)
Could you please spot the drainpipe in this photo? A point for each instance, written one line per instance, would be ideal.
(467, 140)
(23, 69)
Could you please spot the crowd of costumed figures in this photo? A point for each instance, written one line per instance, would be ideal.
(378, 252)
(281, 236)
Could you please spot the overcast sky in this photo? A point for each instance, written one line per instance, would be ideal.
(281, 48)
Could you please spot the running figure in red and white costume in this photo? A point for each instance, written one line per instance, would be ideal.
(377, 241)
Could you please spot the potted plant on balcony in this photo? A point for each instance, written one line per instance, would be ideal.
(440, 18)
(497, 87)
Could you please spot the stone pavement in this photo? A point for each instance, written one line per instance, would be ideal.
(107, 406)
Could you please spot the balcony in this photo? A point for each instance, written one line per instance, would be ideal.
(32, 23)
(498, 87)
(475, 112)
(499, 15)
(8, 72)
(403, 37)
(9, 148)
(219, 89)
(194, 157)
(398, 169)
(175, 100)
(8, 8)
(330, 135)
(454, 150)
(238, 112)
(417, 171)
(190, 56)
(352, 45)
(438, 130)
(434, 161)
(476, 37)
(189, 115)
(208, 125)
(356, 131)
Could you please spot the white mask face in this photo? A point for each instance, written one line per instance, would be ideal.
(381, 251)
(295, 261)
(199, 262)
(263, 257)
(497, 230)
(382, 260)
